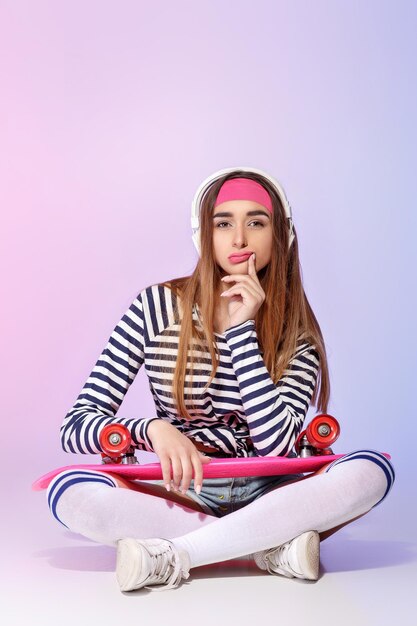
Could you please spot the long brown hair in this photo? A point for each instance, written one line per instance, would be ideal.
(284, 316)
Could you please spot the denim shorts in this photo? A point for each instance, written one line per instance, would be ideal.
(221, 496)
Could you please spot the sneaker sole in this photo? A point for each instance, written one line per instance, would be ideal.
(128, 565)
(308, 555)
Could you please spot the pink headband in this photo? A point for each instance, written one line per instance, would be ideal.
(244, 189)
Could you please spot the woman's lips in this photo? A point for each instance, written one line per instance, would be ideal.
(239, 258)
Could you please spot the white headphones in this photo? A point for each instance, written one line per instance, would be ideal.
(196, 204)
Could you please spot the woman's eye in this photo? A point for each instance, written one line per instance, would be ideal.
(253, 222)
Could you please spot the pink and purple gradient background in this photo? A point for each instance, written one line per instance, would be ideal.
(112, 114)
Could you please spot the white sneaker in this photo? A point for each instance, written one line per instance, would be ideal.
(298, 558)
(145, 562)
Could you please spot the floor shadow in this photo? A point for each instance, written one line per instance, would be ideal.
(227, 569)
(96, 558)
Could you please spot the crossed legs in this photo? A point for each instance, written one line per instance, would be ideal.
(325, 501)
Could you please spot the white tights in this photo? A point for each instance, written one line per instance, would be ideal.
(87, 503)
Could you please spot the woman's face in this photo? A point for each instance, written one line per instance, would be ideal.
(241, 226)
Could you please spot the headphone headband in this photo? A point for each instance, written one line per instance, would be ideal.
(198, 197)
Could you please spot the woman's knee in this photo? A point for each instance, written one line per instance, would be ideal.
(68, 478)
(378, 459)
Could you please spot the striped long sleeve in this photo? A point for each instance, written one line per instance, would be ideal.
(240, 410)
(106, 387)
(274, 413)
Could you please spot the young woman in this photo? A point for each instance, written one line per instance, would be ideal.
(234, 356)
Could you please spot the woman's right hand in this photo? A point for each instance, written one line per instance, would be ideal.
(173, 447)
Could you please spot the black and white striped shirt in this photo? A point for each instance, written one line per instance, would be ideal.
(241, 402)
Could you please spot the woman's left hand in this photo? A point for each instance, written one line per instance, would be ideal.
(245, 297)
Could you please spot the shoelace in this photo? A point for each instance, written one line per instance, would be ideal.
(277, 559)
(166, 567)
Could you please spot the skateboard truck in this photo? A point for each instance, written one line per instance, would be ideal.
(322, 431)
(116, 445)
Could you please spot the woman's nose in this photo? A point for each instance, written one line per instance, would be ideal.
(240, 238)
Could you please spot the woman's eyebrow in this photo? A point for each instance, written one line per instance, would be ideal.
(228, 214)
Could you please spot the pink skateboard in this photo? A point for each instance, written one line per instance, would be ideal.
(118, 457)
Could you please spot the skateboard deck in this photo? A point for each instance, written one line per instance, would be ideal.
(217, 468)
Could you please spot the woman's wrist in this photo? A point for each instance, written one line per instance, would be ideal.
(154, 425)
